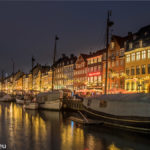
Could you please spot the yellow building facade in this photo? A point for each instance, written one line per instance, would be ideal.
(137, 67)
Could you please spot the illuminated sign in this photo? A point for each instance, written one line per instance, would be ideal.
(94, 74)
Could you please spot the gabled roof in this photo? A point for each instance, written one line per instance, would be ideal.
(84, 56)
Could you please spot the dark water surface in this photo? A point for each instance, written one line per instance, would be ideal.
(45, 130)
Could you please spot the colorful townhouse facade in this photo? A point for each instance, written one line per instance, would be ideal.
(116, 65)
(69, 72)
(46, 80)
(137, 62)
(95, 72)
(80, 74)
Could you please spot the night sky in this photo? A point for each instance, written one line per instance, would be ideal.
(28, 28)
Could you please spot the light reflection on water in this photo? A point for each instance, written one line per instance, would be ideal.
(48, 130)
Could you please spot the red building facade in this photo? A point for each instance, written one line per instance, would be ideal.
(80, 74)
(94, 72)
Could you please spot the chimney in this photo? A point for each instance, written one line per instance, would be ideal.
(129, 33)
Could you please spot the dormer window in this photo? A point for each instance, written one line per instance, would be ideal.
(134, 37)
(130, 45)
(112, 45)
(140, 43)
(125, 44)
(145, 33)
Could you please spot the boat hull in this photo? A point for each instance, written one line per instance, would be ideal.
(122, 113)
(18, 101)
(51, 105)
(32, 106)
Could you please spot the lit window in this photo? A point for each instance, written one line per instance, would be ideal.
(138, 56)
(137, 70)
(143, 54)
(99, 59)
(113, 64)
(99, 68)
(121, 62)
(112, 45)
(95, 78)
(132, 70)
(128, 84)
(95, 68)
(143, 85)
(91, 79)
(95, 60)
(148, 54)
(148, 68)
(127, 71)
(99, 78)
(133, 56)
(143, 69)
(140, 43)
(128, 58)
(91, 61)
(117, 63)
(132, 86)
(130, 45)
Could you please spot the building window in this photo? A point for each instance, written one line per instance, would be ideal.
(99, 78)
(99, 59)
(128, 58)
(138, 56)
(132, 71)
(140, 43)
(112, 45)
(122, 53)
(95, 68)
(143, 69)
(121, 62)
(137, 70)
(133, 56)
(99, 68)
(91, 79)
(113, 64)
(143, 54)
(128, 84)
(127, 71)
(95, 60)
(117, 63)
(148, 69)
(143, 85)
(148, 53)
(89, 61)
(95, 78)
(130, 46)
(132, 86)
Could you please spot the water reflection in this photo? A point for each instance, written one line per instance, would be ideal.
(46, 130)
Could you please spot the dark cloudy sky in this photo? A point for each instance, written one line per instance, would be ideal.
(28, 28)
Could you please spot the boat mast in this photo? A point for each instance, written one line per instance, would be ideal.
(55, 47)
(109, 24)
(13, 73)
(2, 80)
(33, 60)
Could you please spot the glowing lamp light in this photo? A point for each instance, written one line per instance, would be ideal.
(94, 74)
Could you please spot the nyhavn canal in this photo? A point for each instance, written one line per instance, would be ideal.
(49, 130)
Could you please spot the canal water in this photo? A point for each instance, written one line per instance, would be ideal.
(48, 130)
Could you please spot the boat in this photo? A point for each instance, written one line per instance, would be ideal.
(52, 100)
(127, 111)
(32, 106)
(6, 98)
(19, 101)
(30, 102)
